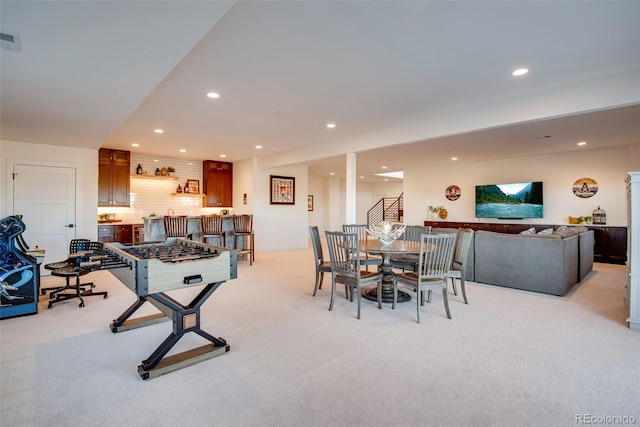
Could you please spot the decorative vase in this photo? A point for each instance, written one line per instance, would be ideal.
(434, 216)
(443, 213)
(163, 172)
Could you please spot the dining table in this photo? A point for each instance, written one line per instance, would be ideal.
(398, 247)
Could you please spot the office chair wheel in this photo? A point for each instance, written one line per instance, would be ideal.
(42, 292)
(105, 296)
(50, 304)
(81, 305)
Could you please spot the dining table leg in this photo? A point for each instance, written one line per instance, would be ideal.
(387, 284)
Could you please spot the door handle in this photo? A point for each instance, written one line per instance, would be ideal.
(68, 226)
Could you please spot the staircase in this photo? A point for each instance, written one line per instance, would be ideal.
(387, 209)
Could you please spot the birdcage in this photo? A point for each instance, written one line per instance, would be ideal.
(599, 216)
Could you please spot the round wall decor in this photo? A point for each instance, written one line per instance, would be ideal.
(585, 187)
(452, 192)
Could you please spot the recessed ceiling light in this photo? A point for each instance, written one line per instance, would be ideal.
(384, 167)
(223, 155)
(156, 160)
(258, 147)
(454, 158)
(520, 72)
(182, 150)
(386, 179)
(582, 143)
(135, 144)
(158, 131)
(361, 176)
(331, 125)
(332, 173)
(213, 95)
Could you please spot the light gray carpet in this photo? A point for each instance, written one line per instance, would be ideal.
(509, 358)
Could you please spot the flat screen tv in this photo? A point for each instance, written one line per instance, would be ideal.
(509, 201)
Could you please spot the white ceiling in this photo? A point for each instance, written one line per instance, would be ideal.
(103, 73)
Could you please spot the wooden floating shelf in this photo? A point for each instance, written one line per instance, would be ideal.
(188, 194)
(143, 176)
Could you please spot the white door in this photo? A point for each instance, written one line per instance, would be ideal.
(45, 197)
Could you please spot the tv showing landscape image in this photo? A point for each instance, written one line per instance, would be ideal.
(509, 201)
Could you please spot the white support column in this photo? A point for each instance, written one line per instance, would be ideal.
(633, 250)
(351, 189)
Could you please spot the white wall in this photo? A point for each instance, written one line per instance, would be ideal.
(558, 172)
(280, 227)
(85, 161)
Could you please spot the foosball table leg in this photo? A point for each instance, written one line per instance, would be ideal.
(124, 323)
(185, 319)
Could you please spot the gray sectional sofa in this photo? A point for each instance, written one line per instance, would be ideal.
(548, 263)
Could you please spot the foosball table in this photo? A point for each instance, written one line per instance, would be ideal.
(152, 269)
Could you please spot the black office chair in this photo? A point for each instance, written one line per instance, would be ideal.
(71, 268)
(73, 249)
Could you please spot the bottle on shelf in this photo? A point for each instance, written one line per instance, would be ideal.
(139, 169)
(186, 188)
(179, 189)
(157, 171)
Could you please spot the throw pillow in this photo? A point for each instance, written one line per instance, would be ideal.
(562, 227)
(532, 230)
(546, 231)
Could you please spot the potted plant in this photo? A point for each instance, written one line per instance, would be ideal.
(435, 211)
(585, 219)
(170, 170)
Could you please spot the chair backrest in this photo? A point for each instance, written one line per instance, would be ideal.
(175, 226)
(88, 245)
(75, 244)
(436, 255)
(243, 223)
(341, 247)
(463, 243)
(359, 229)
(413, 232)
(317, 244)
(211, 225)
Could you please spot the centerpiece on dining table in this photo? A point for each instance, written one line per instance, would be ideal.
(386, 232)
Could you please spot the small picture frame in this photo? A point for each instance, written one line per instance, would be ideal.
(194, 186)
(310, 203)
(283, 190)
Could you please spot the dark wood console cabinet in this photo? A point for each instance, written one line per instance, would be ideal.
(610, 242)
(217, 185)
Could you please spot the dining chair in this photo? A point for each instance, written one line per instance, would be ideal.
(434, 264)
(243, 229)
(464, 239)
(345, 268)
(175, 226)
(211, 226)
(322, 266)
(361, 230)
(409, 262)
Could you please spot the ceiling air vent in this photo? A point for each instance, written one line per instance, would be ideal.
(10, 41)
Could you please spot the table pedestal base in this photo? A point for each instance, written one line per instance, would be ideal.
(372, 294)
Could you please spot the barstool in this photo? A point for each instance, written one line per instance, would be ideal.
(176, 226)
(243, 228)
(212, 227)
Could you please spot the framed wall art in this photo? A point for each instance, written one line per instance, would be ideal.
(452, 192)
(193, 185)
(282, 190)
(585, 187)
(310, 203)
